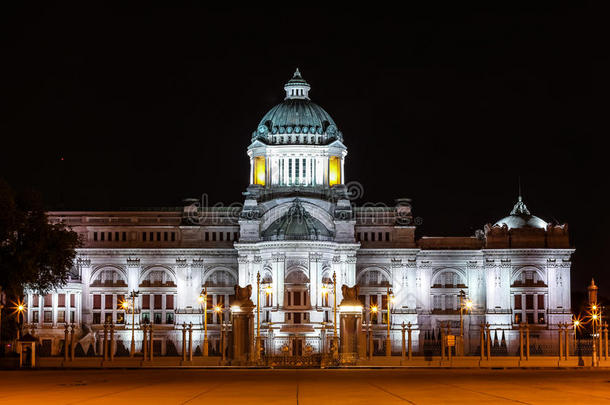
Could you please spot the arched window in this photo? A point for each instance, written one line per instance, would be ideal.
(108, 289)
(445, 292)
(374, 284)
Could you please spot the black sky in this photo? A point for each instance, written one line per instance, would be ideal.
(445, 105)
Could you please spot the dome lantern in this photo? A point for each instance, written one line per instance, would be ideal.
(297, 87)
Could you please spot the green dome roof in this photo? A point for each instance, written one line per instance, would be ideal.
(297, 224)
(297, 115)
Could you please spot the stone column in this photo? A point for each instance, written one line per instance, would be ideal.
(442, 330)
(111, 342)
(527, 341)
(567, 340)
(184, 342)
(105, 343)
(66, 342)
(350, 322)
(410, 343)
(72, 342)
(521, 341)
(482, 345)
(150, 330)
(606, 341)
(243, 326)
(404, 345)
(560, 333)
(488, 341)
(145, 341)
(190, 341)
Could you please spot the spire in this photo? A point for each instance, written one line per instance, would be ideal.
(297, 87)
(520, 208)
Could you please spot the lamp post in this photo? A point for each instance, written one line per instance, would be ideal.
(203, 300)
(218, 310)
(464, 304)
(133, 294)
(258, 316)
(373, 311)
(335, 339)
(19, 309)
(388, 343)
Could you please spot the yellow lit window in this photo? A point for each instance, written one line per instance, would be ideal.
(259, 170)
(334, 170)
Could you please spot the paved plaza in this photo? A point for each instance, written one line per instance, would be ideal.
(196, 386)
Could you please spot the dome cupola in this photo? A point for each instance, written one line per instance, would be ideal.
(297, 120)
(520, 217)
(297, 224)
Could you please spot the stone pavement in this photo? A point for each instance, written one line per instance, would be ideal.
(318, 387)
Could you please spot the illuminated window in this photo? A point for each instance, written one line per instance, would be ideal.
(334, 171)
(259, 170)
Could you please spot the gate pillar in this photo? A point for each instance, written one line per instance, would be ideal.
(243, 326)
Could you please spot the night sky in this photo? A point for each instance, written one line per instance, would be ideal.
(109, 107)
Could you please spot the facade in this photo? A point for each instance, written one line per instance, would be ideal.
(296, 230)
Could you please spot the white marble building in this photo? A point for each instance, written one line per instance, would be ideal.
(296, 228)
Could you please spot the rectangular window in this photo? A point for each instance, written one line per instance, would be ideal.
(116, 236)
(120, 317)
(35, 318)
(165, 236)
(145, 317)
(108, 301)
(97, 301)
(158, 317)
(210, 302)
(289, 172)
(220, 300)
(72, 300)
(366, 236)
(159, 236)
(296, 170)
(108, 317)
(173, 236)
(235, 236)
(48, 316)
(145, 301)
(540, 317)
(95, 236)
(61, 300)
(529, 301)
(259, 170)
(109, 236)
(169, 318)
(124, 236)
(296, 317)
(540, 301)
(213, 236)
(207, 236)
(304, 169)
(530, 318)
(102, 236)
(297, 297)
(97, 318)
(334, 171)
(518, 318)
(221, 236)
(72, 317)
(372, 236)
(373, 300)
(151, 236)
(35, 300)
(169, 301)
(158, 299)
(517, 301)
(380, 236)
(144, 236)
(387, 236)
(384, 301)
(48, 300)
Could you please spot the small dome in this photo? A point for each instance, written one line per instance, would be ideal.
(297, 224)
(298, 116)
(520, 217)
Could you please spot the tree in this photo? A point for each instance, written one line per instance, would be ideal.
(34, 254)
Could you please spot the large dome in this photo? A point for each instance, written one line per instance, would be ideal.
(520, 217)
(297, 119)
(297, 224)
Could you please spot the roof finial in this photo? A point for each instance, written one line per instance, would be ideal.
(297, 87)
(296, 73)
(519, 180)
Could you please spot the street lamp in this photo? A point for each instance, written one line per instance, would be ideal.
(125, 305)
(19, 308)
(203, 300)
(335, 339)
(258, 316)
(467, 305)
(218, 310)
(388, 347)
